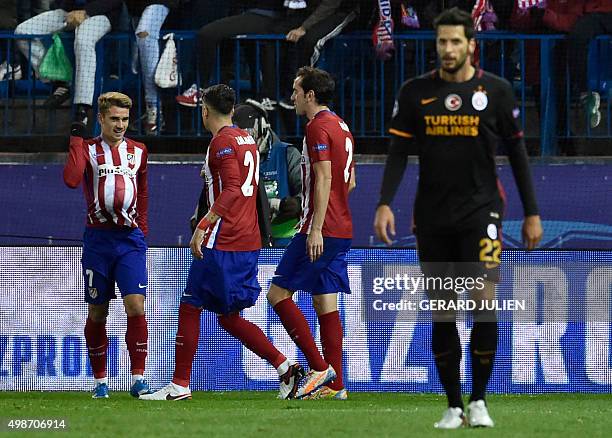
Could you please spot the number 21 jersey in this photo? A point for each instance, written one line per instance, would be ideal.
(231, 171)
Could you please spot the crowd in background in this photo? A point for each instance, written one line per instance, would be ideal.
(307, 25)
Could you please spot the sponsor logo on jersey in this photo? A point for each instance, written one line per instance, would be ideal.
(453, 102)
(480, 100)
(428, 101)
(224, 152)
(106, 169)
(464, 126)
(320, 147)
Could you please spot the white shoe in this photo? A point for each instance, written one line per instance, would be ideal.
(169, 392)
(478, 415)
(288, 382)
(314, 380)
(9, 72)
(453, 418)
(151, 125)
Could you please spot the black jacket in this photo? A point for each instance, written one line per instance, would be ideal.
(8, 15)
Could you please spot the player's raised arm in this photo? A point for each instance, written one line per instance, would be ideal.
(512, 136)
(74, 168)
(401, 141)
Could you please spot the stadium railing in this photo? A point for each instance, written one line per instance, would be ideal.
(365, 90)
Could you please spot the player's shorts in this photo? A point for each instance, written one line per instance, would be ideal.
(472, 250)
(223, 281)
(113, 256)
(328, 274)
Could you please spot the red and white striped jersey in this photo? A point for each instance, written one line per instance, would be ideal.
(328, 138)
(526, 4)
(114, 181)
(231, 170)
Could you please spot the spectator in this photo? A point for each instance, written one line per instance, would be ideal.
(597, 20)
(9, 69)
(309, 25)
(90, 23)
(279, 172)
(582, 20)
(149, 16)
(27, 9)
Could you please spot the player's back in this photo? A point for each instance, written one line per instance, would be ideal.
(232, 166)
(328, 138)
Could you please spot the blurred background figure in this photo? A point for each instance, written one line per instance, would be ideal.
(279, 172)
(91, 20)
(148, 17)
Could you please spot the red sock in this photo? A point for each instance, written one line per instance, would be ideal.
(296, 325)
(331, 341)
(97, 344)
(136, 338)
(186, 343)
(252, 338)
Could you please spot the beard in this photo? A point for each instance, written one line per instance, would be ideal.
(457, 66)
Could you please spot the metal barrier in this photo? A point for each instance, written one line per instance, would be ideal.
(366, 86)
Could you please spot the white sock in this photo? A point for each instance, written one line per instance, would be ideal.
(102, 380)
(136, 378)
(283, 368)
(180, 388)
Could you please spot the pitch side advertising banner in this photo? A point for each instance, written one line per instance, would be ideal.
(574, 199)
(553, 308)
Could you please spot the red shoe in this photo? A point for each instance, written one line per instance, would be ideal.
(191, 97)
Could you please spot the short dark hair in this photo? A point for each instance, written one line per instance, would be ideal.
(220, 97)
(456, 17)
(319, 81)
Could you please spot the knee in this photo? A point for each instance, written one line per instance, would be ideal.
(20, 29)
(98, 313)
(134, 307)
(276, 295)
(82, 43)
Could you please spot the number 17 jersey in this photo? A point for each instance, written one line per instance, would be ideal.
(231, 171)
(328, 138)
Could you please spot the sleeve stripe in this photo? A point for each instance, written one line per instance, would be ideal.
(400, 133)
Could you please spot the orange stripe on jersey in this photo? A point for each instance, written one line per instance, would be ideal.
(400, 133)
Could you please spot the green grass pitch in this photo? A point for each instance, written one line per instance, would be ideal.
(246, 414)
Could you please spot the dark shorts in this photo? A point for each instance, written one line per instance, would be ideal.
(113, 256)
(328, 274)
(472, 250)
(223, 281)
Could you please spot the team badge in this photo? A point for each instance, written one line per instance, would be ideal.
(492, 231)
(93, 293)
(131, 158)
(479, 100)
(453, 102)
